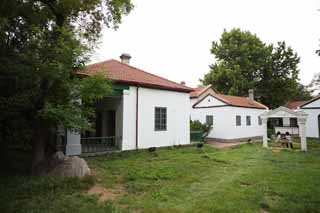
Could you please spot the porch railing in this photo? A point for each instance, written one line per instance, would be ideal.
(100, 144)
(283, 130)
(196, 136)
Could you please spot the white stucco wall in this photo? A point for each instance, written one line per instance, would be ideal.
(224, 121)
(312, 127)
(193, 101)
(313, 111)
(178, 113)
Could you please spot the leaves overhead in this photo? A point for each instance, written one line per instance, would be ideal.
(43, 43)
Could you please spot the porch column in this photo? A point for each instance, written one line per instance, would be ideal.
(265, 131)
(302, 129)
(128, 120)
(73, 140)
(73, 144)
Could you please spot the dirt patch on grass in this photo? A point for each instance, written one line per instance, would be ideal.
(105, 194)
(264, 211)
(276, 149)
(221, 145)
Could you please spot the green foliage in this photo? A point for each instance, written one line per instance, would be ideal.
(198, 126)
(244, 62)
(94, 88)
(270, 132)
(43, 43)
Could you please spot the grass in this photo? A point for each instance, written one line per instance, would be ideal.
(245, 178)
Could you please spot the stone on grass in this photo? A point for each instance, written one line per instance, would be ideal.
(71, 167)
(58, 157)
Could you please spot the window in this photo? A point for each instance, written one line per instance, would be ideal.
(160, 121)
(238, 120)
(293, 122)
(259, 121)
(209, 120)
(248, 119)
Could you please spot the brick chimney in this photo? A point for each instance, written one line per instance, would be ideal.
(183, 82)
(125, 58)
(251, 96)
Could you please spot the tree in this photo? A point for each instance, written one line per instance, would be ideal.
(244, 62)
(42, 45)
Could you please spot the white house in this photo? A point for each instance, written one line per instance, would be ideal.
(312, 108)
(144, 111)
(234, 118)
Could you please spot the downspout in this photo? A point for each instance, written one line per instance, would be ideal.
(137, 116)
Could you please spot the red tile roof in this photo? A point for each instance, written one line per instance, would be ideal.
(197, 91)
(295, 104)
(239, 101)
(228, 99)
(123, 73)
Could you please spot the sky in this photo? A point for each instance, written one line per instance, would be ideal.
(172, 38)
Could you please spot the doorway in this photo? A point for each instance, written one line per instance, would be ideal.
(110, 124)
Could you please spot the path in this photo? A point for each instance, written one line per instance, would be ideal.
(221, 145)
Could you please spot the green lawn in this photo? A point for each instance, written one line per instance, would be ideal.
(246, 178)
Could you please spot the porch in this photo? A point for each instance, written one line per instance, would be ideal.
(284, 125)
(106, 132)
(283, 113)
(113, 125)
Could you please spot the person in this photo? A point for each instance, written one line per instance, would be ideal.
(289, 139)
(278, 138)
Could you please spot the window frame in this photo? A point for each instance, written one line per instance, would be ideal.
(238, 120)
(293, 124)
(210, 118)
(248, 120)
(259, 121)
(160, 119)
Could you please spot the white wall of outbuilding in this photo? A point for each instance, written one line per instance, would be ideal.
(224, 121)
(313, 111)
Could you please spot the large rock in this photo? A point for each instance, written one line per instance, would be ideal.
(58, 157)
(71, 167)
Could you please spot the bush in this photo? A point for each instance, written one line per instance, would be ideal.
(198, 126)
(270, 132)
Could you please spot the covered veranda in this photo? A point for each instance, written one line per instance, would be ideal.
(106, 134)
(283, 112)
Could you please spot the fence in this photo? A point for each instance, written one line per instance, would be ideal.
(196, 136)
(100, 144)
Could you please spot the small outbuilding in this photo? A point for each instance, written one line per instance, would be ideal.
(311, 108)
(234, 118)
(284, 113)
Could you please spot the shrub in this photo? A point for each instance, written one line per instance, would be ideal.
(198, 126)
(270, 132)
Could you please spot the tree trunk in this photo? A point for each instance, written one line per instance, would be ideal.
(39, 140)
(4, 156)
